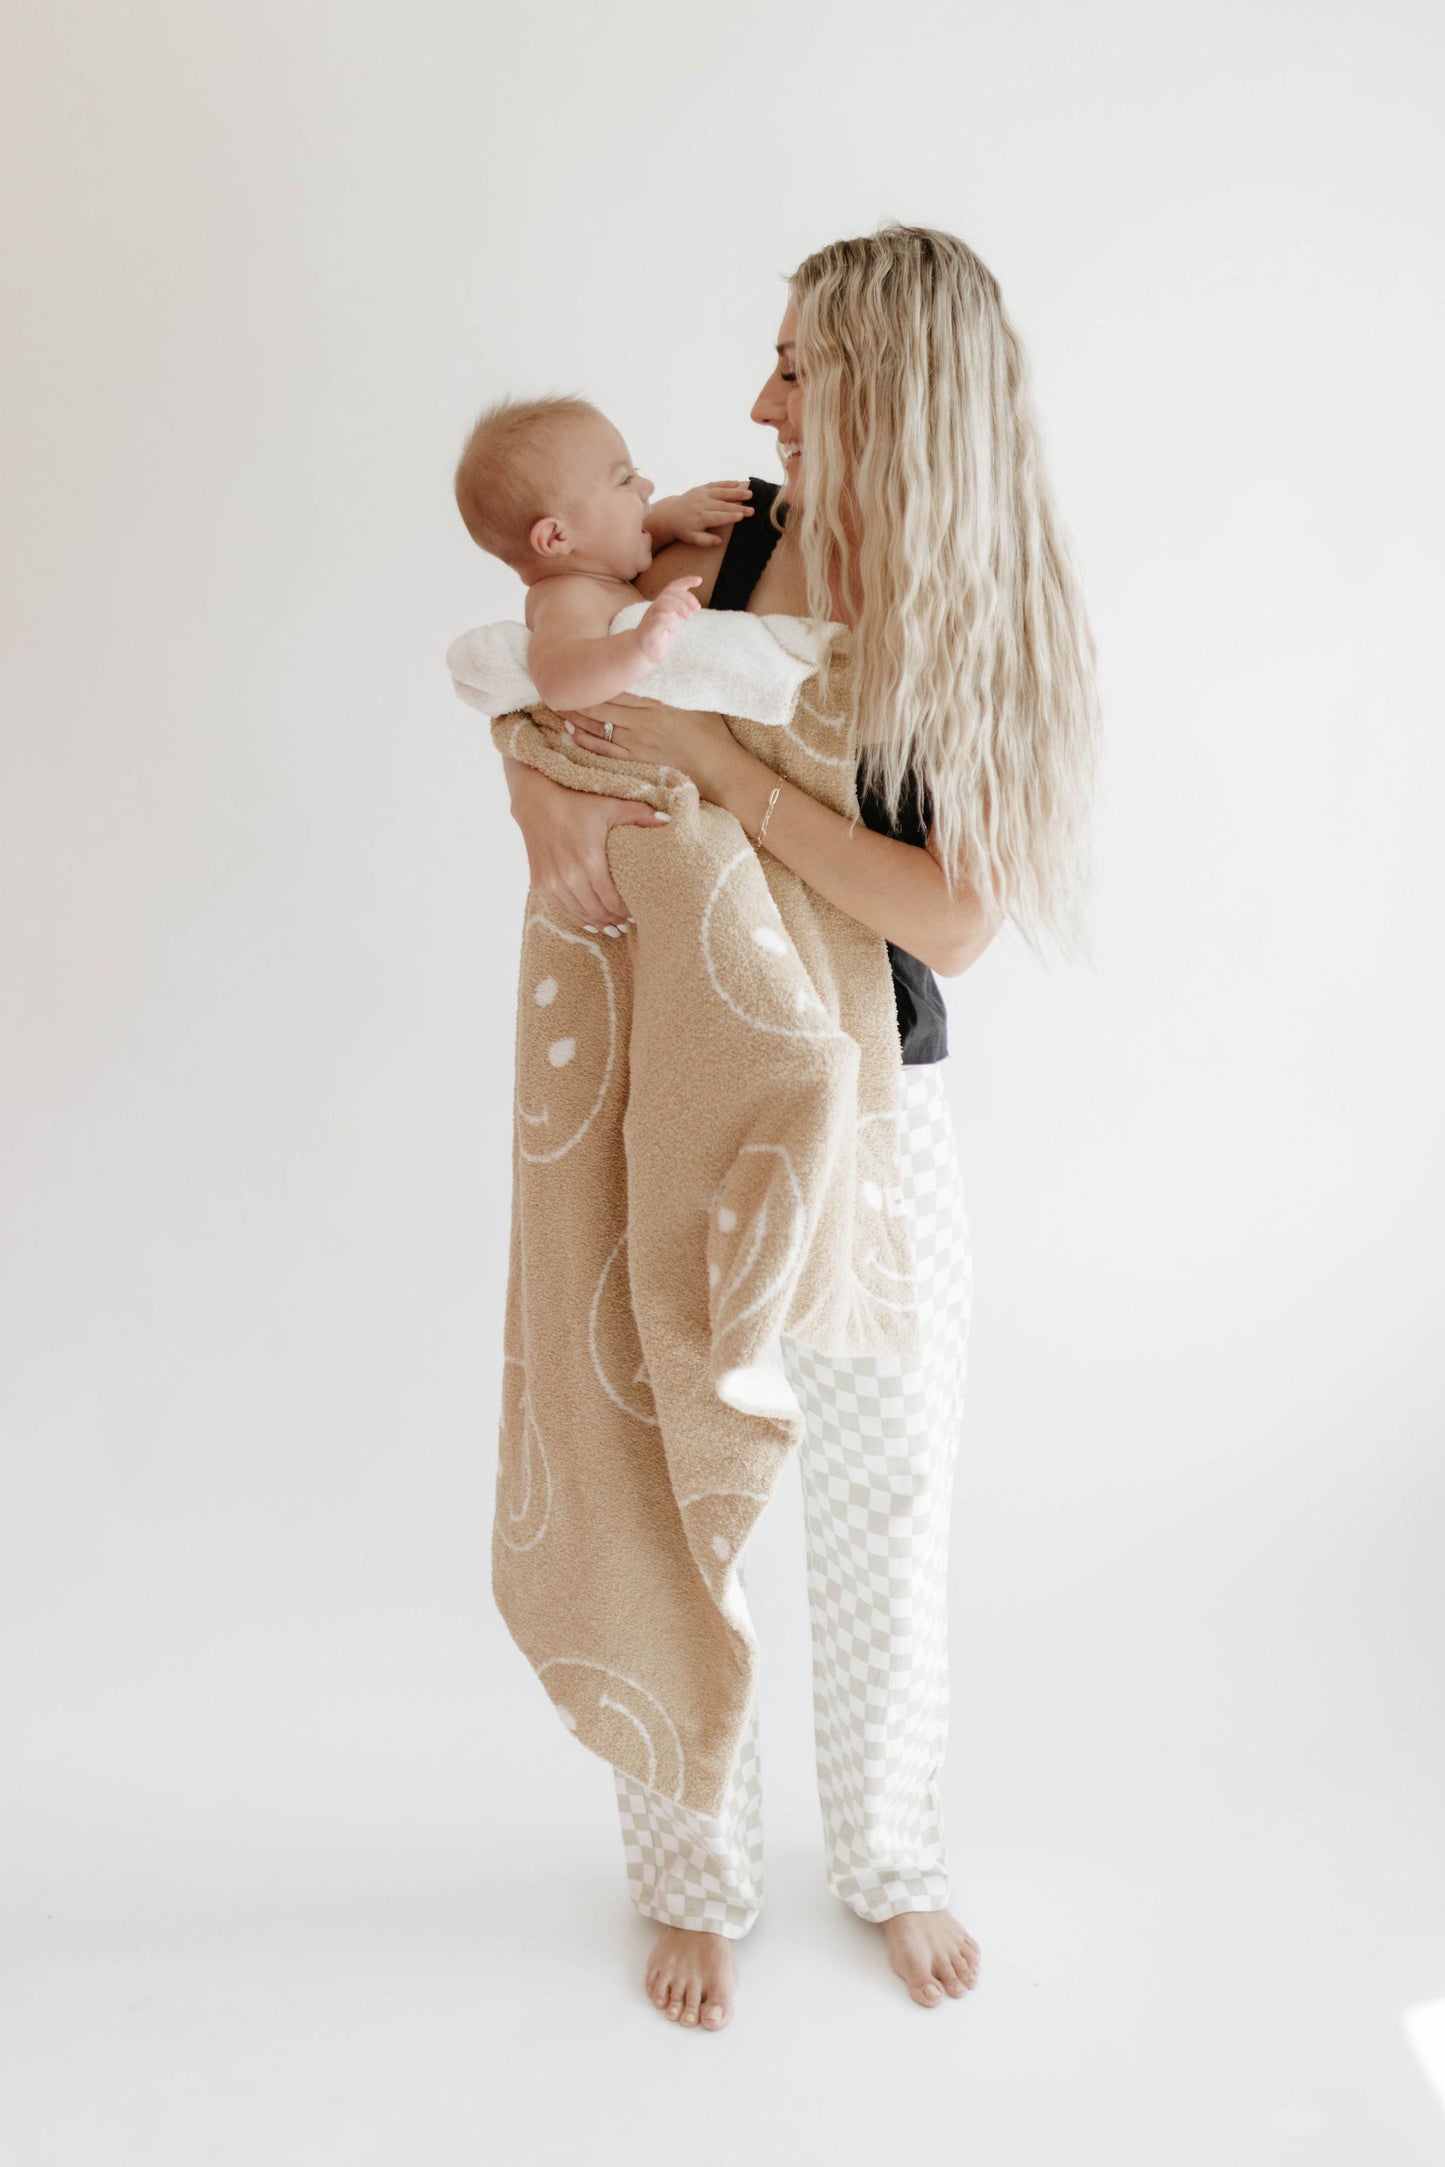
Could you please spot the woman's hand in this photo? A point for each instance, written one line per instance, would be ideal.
(701, 745)
(565, 832)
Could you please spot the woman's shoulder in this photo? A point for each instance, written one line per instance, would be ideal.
(681, 560)
(730, 574)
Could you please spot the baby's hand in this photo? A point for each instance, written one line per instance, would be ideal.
(703, 515)
(667, 616)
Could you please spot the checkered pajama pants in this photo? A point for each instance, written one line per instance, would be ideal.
(879, 1444)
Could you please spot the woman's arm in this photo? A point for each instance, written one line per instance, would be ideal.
(565, 833)
(896, 888)
(678, 561)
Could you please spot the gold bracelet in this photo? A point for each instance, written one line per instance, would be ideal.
(767, 816)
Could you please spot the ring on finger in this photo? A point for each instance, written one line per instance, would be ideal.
(607, 731)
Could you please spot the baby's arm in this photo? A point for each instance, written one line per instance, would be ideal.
(701, 516)
(572, 658)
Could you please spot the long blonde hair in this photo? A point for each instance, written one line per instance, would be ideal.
(927, 508)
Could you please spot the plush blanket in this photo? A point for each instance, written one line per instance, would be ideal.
(705, 1156)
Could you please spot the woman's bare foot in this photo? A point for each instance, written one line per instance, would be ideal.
(931, 1954)
(691, 1976)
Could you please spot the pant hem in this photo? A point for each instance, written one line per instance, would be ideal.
(868, 1909)
(728, 1932)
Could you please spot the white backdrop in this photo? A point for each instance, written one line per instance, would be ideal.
(301, 1866)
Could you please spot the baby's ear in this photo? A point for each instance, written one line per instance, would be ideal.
(548, 538)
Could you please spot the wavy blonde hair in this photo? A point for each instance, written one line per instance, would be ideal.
(927, 507)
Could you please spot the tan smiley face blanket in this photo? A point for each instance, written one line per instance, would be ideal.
(705, 1154)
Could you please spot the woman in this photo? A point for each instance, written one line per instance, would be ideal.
(913, 510)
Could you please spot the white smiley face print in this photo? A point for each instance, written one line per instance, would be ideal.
(565, 1067)
(617, 1357)
(821, 736)
(750, 961)
(756, 1234)
(617, 1717)
(524, 1480)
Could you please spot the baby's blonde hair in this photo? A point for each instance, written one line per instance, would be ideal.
(506, 473)
(927, 502)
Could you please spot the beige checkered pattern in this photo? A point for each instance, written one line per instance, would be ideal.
(878, 1452)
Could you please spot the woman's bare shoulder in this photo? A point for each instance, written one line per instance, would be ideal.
(680, 560)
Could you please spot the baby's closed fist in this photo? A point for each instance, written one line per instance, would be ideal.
(667, 616)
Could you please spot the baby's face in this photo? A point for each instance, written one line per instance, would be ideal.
(603, 500)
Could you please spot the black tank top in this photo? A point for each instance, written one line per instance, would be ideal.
(922, 1016)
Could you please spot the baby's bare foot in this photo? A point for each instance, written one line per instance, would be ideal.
(691, 1976)
(931, 1954)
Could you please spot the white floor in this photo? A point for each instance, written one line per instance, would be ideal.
(279, 1900)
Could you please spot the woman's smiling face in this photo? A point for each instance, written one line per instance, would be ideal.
(779, 405)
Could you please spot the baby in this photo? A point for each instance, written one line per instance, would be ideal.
(548, 486)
